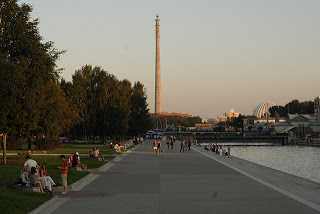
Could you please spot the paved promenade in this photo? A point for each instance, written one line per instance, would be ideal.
(175, 182)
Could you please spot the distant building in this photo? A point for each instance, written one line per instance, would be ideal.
(262, 109)
(173, 114)
(264, 120)
(204, 125)
(317, 109)
(231, 114)
(204, 121)
(212, 120)
(228, 116)
(299, 123)
(222, 119)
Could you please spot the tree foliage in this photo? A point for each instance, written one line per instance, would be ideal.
(36, 102)
(107, 107)
(294, 107)
(139, 122)
(31, 100)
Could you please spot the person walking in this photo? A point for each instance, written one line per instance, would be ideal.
(182, 145)
(159, 149)
(168, 140)
(189, 144)
(171, 143)
(155, 147)
(229, 151)
(64, 173)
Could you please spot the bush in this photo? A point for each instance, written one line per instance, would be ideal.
(47, 143)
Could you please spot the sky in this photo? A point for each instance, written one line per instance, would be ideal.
(215, 55)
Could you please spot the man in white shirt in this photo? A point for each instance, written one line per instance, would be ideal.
(31, 163)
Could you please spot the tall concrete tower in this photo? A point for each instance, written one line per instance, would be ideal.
(158, 73)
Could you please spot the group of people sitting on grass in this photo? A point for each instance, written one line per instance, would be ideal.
(95, 153)
(117, 147)
(74, 161)
(34, 176)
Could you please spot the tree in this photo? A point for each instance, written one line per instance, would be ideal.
(140, 121)
(294, 107)
(103, 103)
(28, 73)
(281, 110)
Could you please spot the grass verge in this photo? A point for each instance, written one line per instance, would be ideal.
(17, 201)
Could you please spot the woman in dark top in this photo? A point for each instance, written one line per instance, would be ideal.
(34, 176)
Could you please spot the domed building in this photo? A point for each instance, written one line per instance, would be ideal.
(262, 109)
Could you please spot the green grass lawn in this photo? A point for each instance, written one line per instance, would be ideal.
(17, 201)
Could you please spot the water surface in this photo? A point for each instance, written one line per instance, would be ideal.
(296, 160)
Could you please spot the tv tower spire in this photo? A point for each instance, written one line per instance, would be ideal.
(158, 73)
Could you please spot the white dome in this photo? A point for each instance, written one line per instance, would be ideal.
(262, 109)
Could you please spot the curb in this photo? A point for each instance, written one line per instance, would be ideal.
(82, 180)
(44, 206)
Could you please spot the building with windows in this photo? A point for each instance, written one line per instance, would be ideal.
(228, 116)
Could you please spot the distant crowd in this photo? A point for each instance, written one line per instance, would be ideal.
(220, 150)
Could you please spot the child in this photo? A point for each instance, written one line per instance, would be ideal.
(64, 173)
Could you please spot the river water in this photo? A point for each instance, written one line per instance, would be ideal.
(296, 160)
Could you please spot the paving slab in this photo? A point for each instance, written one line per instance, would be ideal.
(176, 182)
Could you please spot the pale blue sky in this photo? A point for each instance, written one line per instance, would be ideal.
(215, 55)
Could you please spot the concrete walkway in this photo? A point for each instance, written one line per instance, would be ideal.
(175, 182)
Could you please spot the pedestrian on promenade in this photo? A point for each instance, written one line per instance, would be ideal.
(168, 140)
(171, 143)
(159, 149)
(186, 145)
(155, 146)
(182, 145)
(189, 144)
(229, 151)
(64, 173)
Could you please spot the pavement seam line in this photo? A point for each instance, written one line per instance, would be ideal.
(295, 197)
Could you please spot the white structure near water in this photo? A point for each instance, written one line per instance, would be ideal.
(262, 109)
